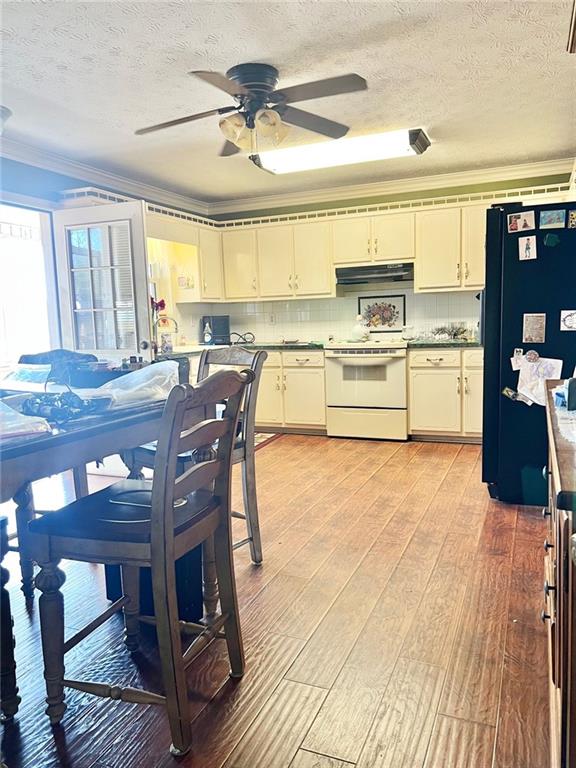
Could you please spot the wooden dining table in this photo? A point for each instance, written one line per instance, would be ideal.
(71, 447)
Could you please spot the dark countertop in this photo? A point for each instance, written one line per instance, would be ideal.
(424, 343)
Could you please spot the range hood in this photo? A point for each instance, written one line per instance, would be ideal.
(353, 277)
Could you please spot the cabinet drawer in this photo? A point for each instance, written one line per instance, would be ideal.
(473, 358)
(305, 359)
(274, 359)
(435, 358)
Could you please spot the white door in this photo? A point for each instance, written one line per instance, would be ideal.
(472, 387)
(304, 398)
(437, 249)
(211, 264)
(269, 404)
(393, 237)
(312, 264)
(239, 257)
(351, 241)
(473, 246)
(435, 400)
(103, 280)
(275, 261)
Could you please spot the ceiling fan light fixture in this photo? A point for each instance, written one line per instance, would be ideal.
(269, 125)
(345, 151)
(234, 129)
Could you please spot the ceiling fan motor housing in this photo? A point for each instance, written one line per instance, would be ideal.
(260, 79)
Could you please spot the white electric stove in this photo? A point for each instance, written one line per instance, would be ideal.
(366, 388)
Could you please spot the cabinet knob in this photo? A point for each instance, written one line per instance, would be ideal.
(458, 384)
(434, 359)
(254, 283)
(466, 387)
(466, 271)
(458, 271)
(548, 588)
(369, 249)
(547, 545)
(545, 512)
(376, 247)
(544, 616)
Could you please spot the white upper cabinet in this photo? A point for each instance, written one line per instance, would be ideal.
(438, 242)
(240, 270)
(212, 278)
(313, 273)
(275, 261)
(351, 241)
(393, 237)
(473, 246)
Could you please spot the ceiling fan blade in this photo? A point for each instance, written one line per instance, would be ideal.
(221, 81)
(332, 86)
(312, 122)
(188, 119)
(229, 149)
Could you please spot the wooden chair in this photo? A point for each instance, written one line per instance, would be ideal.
(139, 523)
(243, 451)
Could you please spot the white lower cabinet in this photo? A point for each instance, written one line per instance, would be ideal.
(292, 391)
(472, 411)
(304, 398)
(435, 400)
(270, 403)
(445, 392)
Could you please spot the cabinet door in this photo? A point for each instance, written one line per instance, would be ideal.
(437, 249)
(239, 252)
(304, 398)
(351, 241)
(473, 246)
(211, 264)
(435, 400)
(472, 388)
(393, 237)
(275, 261)
(312, 264)
(183, 260)
(269, 403)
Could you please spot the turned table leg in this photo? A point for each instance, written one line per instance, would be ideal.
(24, 514)
(9, 699)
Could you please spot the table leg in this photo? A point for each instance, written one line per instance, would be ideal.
(9, 699)
(24, 514)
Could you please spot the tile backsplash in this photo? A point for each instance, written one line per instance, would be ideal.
(316, 319)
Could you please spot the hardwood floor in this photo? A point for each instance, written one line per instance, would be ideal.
(393, 624)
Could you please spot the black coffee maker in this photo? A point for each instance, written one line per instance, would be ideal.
(215, 329)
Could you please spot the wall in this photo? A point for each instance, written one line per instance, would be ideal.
(316, 319)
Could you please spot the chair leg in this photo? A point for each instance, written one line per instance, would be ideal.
(170, 648)
(229, 600)
(251, 507)
(209, 581)
(49, 581)
(131, 589)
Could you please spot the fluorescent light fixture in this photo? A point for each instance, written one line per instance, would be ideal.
(359, 149)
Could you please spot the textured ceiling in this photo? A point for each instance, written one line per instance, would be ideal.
(490, 82)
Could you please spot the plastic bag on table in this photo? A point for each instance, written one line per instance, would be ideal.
(14, 424)
(150, 384)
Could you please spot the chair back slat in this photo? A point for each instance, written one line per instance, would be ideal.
(184, 403)
(198, 476)
(233, 357)
(203, 434)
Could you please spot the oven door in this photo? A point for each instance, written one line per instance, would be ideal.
(366, 381)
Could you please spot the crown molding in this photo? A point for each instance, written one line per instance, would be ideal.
(398, 186)
(25, 153)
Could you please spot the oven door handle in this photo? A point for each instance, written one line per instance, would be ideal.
(365, 361)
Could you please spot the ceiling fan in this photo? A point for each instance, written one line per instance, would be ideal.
(261, 111)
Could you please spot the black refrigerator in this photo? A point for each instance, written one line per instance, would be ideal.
(530, 270)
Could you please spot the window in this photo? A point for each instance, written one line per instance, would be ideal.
(102, 286)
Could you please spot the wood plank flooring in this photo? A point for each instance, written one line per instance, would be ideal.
(393, 624)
